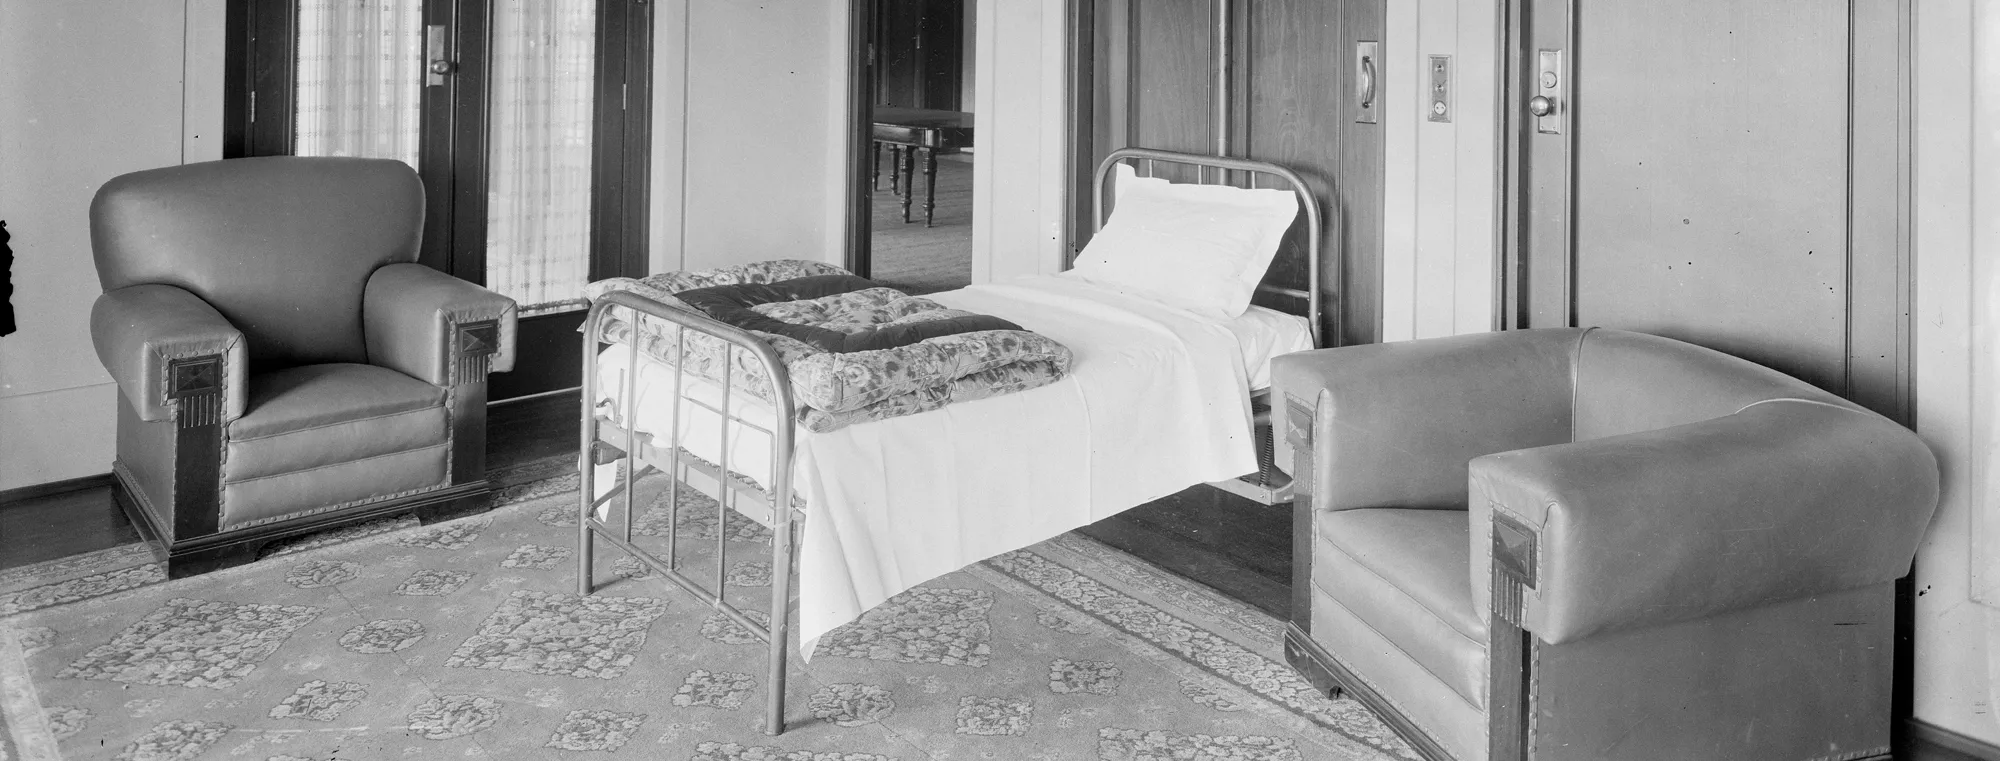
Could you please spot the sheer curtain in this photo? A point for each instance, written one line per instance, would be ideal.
(360, 78)
(538, 191)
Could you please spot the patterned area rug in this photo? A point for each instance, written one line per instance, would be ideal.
(466, 639)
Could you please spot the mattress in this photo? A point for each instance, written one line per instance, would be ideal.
(1014, 469)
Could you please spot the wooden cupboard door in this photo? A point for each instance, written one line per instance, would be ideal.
(1728, 174)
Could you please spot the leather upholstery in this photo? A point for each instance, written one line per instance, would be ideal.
(320, 369)
(1808, 678)
(409, 314)
(317, 415)
(1782, 500)
(1410, 690)
(334, 486)
(1719, 532)
(281, 246)
(1631, 382)
(1402, 573)
(1413, 413)
(146, 460)
(138, 329)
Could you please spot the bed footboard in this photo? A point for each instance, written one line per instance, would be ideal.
(615, 436)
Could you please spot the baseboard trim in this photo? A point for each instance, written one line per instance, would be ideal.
(1930, 742)
(52, 488)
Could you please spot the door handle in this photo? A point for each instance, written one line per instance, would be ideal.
(1365, 76)
(434, 51)
(1367, 84)
(1550, 82)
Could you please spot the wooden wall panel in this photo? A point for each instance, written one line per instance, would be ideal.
(1716, 215)
(1300, 112)
(1752, 197)
(1293, 97)
(1172, 85)
(1292, 82)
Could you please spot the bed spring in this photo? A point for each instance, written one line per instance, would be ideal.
(616, 437)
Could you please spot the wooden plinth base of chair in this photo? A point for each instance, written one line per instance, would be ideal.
(198, 555)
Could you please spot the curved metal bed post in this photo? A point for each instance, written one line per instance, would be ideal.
(777, 493)
(1315, 234)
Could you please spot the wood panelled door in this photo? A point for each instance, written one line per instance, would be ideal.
(1730, 174)
(1289, 97)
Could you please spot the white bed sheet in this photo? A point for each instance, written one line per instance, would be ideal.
(1263, 334)
(1155, 402)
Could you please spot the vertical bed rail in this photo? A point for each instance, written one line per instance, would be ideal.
(1308, 201)
(730, 493)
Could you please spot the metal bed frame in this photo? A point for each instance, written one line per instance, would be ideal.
(605, 439)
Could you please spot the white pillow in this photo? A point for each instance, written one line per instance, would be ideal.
(1203, 248)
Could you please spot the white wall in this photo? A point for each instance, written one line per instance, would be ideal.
(1957, 638)
(1018, 127)
(1438, 234)
(93, 89)
(750, 132)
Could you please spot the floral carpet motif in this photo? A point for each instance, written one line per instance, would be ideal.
(923, 625)
(467, 639)
(193, 643)
(594, 637)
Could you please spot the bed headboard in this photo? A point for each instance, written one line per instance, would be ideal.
(1319, 299)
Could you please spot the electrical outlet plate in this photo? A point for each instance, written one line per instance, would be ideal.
(1440, 100)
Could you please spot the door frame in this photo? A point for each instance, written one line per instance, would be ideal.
(860, 128)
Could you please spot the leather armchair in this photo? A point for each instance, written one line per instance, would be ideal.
(1594, 544)
(282, 361)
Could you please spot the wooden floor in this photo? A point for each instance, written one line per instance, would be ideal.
(922, 259)
(1231, 544)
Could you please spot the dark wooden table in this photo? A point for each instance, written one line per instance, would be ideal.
(909, 131)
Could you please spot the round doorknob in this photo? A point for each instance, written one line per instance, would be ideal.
(1541, 105)
(442, 66)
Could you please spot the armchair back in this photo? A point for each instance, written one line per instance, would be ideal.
(1634, 382)
(281, 246)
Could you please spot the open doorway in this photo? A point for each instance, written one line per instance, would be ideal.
(914, 128)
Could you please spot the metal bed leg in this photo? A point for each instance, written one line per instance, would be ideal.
(585, 543)
(781, 617)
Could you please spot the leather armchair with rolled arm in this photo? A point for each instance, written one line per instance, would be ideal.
(282, 361)
(1595, 544)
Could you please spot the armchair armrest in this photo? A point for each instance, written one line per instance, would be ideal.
(167, 348)
(1393, 425)
(1784, 499)
(436, 327)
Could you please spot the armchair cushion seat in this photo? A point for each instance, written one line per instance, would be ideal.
(1404, 574)
(302, 418)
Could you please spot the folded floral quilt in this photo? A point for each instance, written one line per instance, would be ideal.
(854, 351)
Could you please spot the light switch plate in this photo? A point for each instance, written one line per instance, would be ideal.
(1440, 100)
